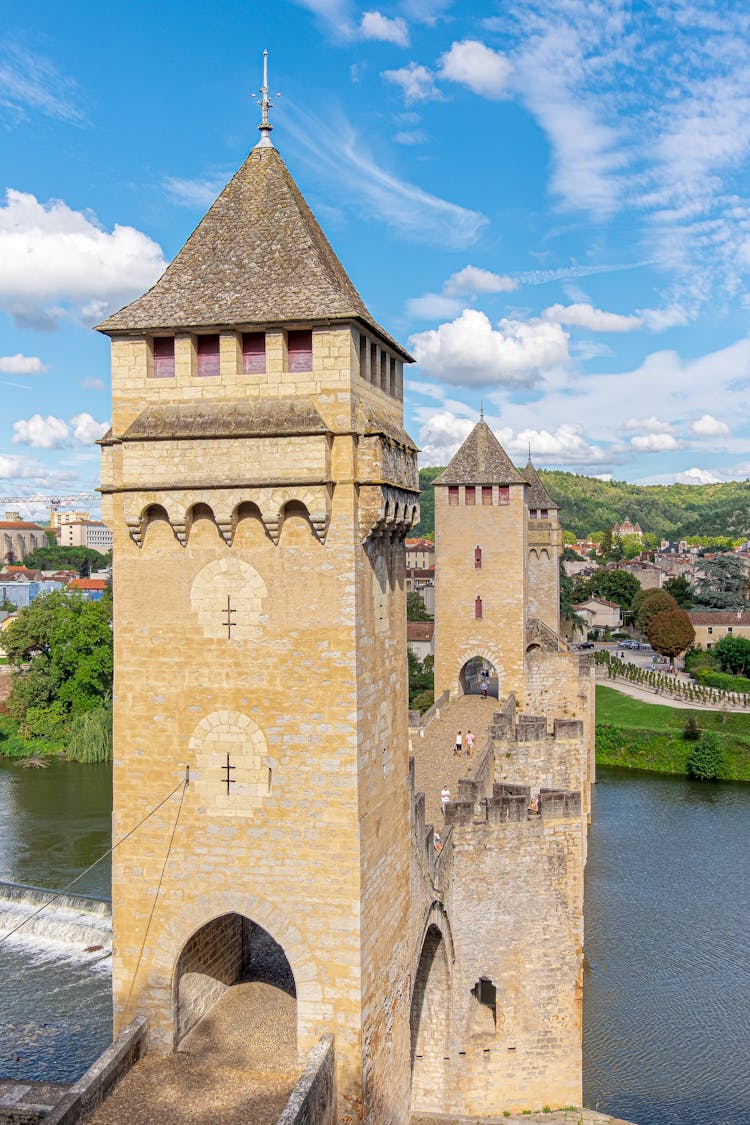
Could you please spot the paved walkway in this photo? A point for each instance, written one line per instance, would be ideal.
(435, 764)
(238, 1065)
(557, 1117)
(649, 695)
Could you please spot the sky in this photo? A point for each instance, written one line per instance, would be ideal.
(547, 203)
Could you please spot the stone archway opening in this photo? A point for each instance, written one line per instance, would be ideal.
(477, 672)
(233, 955)
(429, 1020)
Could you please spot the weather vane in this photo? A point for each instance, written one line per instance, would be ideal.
(265, 104)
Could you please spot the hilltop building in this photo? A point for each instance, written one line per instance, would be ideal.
(627, 528)
(259, 485)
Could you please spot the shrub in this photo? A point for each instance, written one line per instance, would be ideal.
(423, 701)
(691, 732)
(706, 761)
(697, 659)
(722, 680)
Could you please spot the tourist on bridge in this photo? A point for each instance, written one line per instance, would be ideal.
(459, 744)
(469, 743)
(445, 796)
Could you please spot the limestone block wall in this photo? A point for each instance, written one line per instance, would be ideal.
(544, 585)
(561, 684)
(516, 910)
(500, 531)
(210, 962)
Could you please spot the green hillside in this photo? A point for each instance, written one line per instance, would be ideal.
(671, 511)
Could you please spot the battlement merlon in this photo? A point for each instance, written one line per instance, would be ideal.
(510, 804)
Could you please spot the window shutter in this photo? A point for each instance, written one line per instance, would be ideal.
(208, 355)
(299, 350)
(164, 357)
(253, 353)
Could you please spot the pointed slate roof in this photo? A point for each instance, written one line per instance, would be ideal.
(537, 496)
(480, 460)
(257, 257)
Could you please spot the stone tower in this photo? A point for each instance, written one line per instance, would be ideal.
(545, 548)
(481, 528)
(259, 484)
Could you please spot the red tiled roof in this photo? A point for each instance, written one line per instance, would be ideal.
(719, 617)
(420, 630)
(19, 525)
(88, 584)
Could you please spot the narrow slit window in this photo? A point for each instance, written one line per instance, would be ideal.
(299, 349)
(363, 356)
(486, 493)
(543, 514)
(533, 513)
(470, 496)
(253, 353)
(478, 608)
(453, 496)
(385, 361)
(208, 355)
(503, 494)
(164, 357)
(477, 558)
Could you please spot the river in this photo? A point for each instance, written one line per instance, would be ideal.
(667, 984)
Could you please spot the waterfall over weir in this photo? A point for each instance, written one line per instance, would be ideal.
(82, 925)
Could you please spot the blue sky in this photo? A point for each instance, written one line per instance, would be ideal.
(546, 202)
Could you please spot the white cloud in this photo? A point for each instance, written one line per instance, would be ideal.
(198, 195)
(52, 254)
(342, 158)
(334, 13)
(41, 433)
(650, 425)
(697, 476)
(441, 436)
(708, 426)
(658, 320)
(86, 430)
(29, 81)
(416, 82)
(374, 25)
(21, 364)
(55, 433)
(472, 279)
(471, 63)
(565, 445)
(93, 385)
(586, 316)
(654, 443)
(411, 137)
(433, 306)
(468, 351)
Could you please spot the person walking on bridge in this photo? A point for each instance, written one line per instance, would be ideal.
(459, 744)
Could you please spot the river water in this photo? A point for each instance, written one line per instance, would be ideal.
(667, 985)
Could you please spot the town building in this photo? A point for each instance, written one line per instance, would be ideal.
(18, 538)
(626, 528)
(59, 517)
(85, 533)
(600, 614)
(419, 637)
(714, 624)
(91, 589)
(420, 554)
(20, 586)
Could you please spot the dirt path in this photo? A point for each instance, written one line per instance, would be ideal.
(663, 700)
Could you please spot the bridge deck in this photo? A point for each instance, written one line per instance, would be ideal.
(434, 762)
(556, 1117)
(239, 1064)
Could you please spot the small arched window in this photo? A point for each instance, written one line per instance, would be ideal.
(478, 608)
(477, 558)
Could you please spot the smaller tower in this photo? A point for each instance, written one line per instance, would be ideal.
(480, 567)
(545, 549)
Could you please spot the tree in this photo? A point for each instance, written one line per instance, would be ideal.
(567, 601)
(614, 585)
(733, 655)
(569, 538)
(631, 546)
(605, 544)
(723, 583)
(670, 632)
(415, 607)
(706, 761)
(680, 589)
(656, 601)
(82, 559)
(420, 680)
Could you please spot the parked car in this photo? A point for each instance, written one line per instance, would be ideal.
(630, 644)
(659, 660)
(585, 644)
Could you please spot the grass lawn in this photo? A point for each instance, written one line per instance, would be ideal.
(648, 736)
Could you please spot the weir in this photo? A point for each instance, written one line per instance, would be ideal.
(81, 922)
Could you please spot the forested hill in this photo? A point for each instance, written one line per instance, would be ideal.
(670, 511)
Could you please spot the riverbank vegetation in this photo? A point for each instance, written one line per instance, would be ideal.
(648, 736)
(61, 688)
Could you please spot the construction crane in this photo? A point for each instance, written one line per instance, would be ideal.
(51, 500)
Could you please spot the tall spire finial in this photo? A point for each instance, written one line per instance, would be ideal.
(481, 411)
(529, 451)
(265, 104)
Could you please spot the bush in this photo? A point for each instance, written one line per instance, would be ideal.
(691, 732)
(722, 680)
(696, 659)
(422, 702)
(706, 761)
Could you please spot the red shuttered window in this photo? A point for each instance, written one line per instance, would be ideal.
(299, 349)
(208, 355)
(486, 493)
(503, 494)
(253, 353)
(453, 496)
(470, 495)
(477, 558)
(164, 357)
(478, 609)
